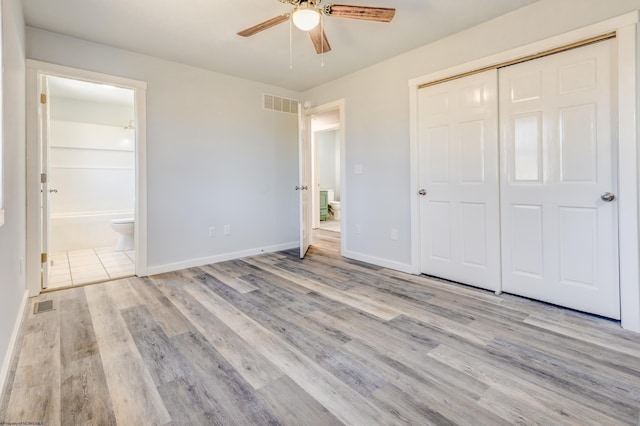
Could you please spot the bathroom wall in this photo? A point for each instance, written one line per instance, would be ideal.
(92, 167)
(84, 111)
(328, 142)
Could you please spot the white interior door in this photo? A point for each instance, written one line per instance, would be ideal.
(304, 150)
(46, 190)
(458, 162)
(559, 223)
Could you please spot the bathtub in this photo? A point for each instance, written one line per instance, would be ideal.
(83, 230)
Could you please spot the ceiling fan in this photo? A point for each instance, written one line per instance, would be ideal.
(306, 16)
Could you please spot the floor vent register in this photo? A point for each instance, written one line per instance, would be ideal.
(41, 307)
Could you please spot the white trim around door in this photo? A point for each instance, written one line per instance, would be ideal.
(34, 71)
(625, 27)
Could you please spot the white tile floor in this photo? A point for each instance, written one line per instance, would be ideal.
(85, 266)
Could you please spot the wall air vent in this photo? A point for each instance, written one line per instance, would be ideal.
(276, 103)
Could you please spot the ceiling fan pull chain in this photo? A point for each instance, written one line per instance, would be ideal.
(290, 43)
(322, 38)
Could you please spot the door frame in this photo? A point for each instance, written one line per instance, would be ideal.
(338, 105)
(627, 45)
(45, 159)
(34, 72)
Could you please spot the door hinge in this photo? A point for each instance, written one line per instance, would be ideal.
(43, 98)
(43, 257)
(43, 178)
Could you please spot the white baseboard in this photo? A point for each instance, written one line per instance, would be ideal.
(8, 357)
(385, 263)
(160, 269)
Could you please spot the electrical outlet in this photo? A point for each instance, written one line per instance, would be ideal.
(227, 229)
(212, 231)
(358, 229)
(394, 234)
(357, 169)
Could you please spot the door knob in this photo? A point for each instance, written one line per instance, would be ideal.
(301, 188)
(422, 192)
(54, 191)
(608, 197)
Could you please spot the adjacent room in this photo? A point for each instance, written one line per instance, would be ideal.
(419, 212)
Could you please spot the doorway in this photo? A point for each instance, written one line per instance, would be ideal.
(86, 166)
(326, 170)
(326, 127)
(90, 169)
(314, 122)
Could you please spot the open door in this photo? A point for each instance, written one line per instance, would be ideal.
(304, 160)
(44, 179)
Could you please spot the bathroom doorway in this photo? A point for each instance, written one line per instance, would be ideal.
(327, 147)
(326, 161)
(89, 160)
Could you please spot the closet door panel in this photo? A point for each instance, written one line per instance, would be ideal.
(458, 151)
(559, 233)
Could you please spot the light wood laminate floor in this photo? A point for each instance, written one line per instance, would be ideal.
(323, 341)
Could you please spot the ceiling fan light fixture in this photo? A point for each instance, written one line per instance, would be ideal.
(306, 18)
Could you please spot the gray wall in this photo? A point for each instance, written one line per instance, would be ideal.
(13, 232)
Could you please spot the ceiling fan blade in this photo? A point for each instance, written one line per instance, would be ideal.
(319, 40)
(368, 13)
(264, 25)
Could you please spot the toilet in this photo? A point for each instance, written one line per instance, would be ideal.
(334, 207)
(124, 228)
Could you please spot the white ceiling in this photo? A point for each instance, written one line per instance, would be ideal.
(202, 33)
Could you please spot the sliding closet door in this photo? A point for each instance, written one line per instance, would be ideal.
(459, 201)
(559, 214)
